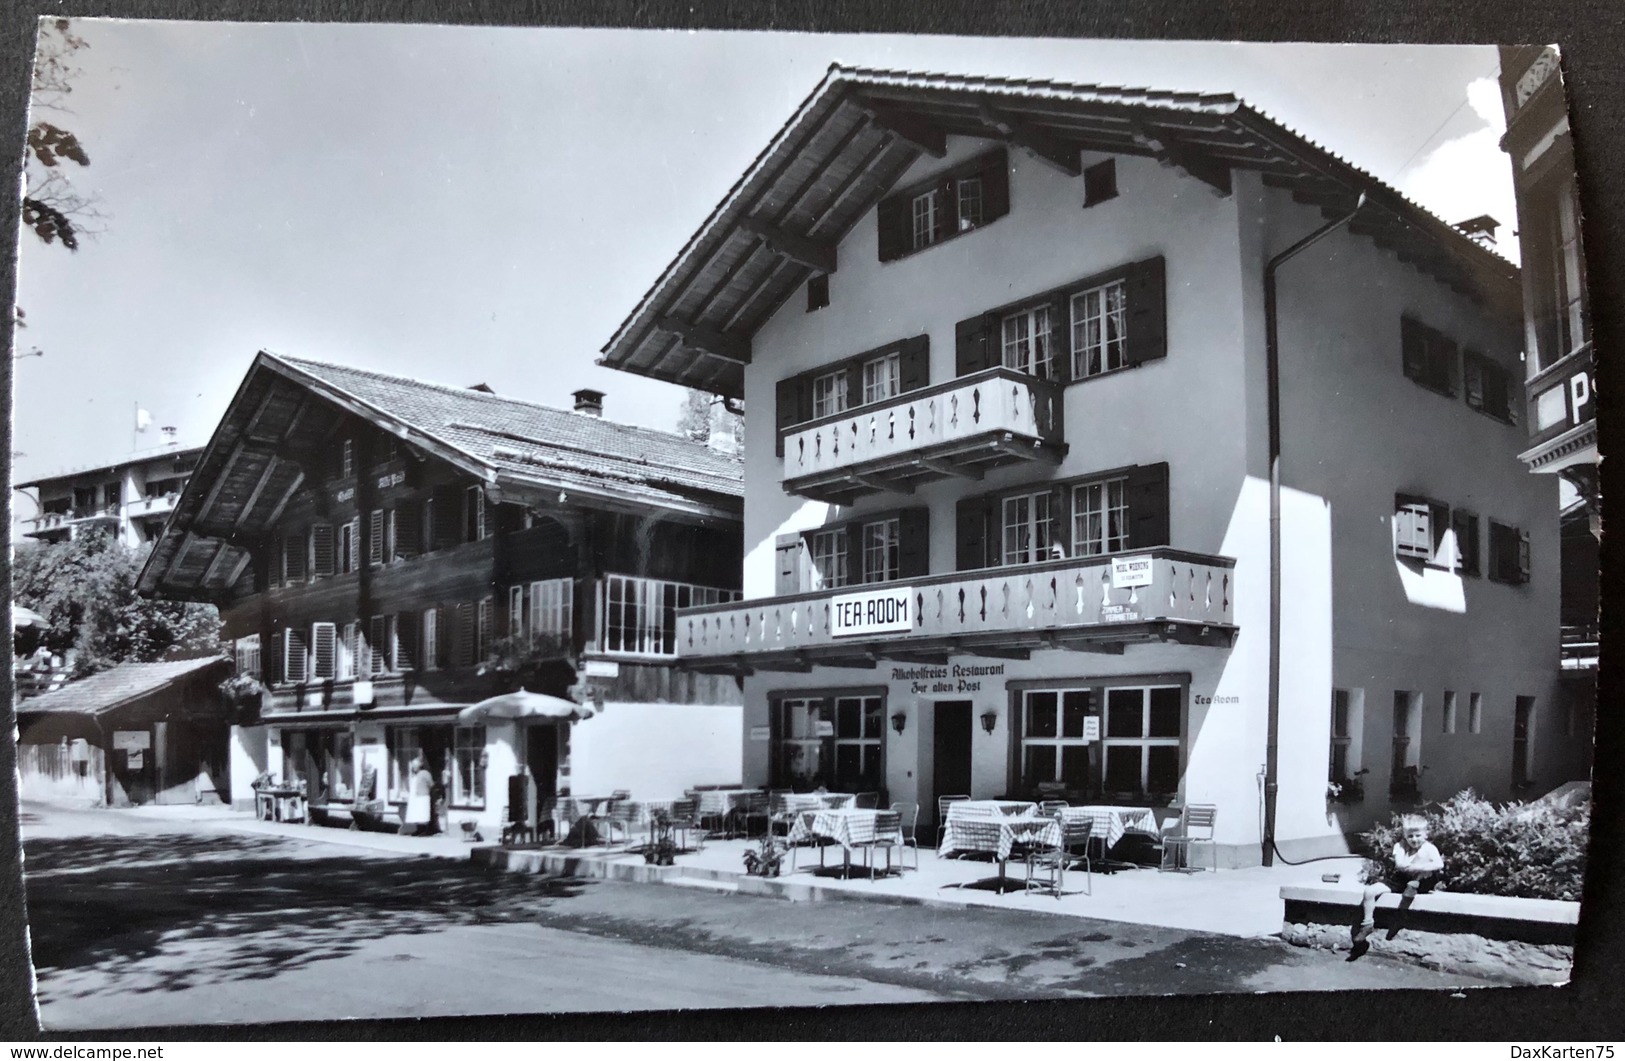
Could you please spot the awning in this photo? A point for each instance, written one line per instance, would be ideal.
(23, 617)
(523, 704)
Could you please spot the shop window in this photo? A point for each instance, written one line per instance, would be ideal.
(1509, 554)
(336, 760)
(295, 757)
(1428, 356)
(1053, 750)
(834, 741)
(859, 742)
(1141, 744)
(405, 743)
(468, 769)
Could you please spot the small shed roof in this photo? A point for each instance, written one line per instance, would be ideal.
(111, 689)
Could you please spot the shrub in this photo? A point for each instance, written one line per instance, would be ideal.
(1525, 850)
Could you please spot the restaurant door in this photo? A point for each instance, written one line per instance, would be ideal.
(950, 751)
(542, 757)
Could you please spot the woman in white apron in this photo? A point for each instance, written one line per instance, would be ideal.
(418, 805)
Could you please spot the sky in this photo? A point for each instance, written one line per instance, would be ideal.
(475, 205)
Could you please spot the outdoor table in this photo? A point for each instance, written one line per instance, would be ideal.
(847, 826)
(1112, 823)
(721, 803)
(802, 806)
(997, 834)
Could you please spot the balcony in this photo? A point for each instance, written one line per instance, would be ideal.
(59, 525)
(1094, 604)
(959, 428)
(148, 507)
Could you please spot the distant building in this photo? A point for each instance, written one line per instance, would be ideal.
(386, 553)
(130, 498)
(1006, 351)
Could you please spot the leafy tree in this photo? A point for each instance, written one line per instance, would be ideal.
(52, 206)
(86, 589)
(703, 414)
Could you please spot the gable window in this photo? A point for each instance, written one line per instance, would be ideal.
(828, 394)
(1100, 517)
(1509, 554)
(1099, 331)
(1100, 182)
(881, 377)
(1026, 342)
(961, 199)
(880, 551)
(1026, 528)
(1488, 386)
(1429, 356)
(829, 559)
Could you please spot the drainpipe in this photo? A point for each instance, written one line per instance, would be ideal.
(1273, 362)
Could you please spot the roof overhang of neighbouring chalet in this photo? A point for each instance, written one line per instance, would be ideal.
(287, 414)
(860, 129)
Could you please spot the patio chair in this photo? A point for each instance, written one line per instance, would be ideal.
(623, 815)
(756, 808)
(1049, 806)
(1195, 827)
(942, 815)
(685, 822)
(908, 815)
(866, 801)
(887, 824)
(779, 811)
(562, 811)
(1053, 860)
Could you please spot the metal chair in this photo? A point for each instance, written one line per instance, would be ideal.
(779, 811)
(1195, 827)
(756, 807)
(909, 816)
(1049, 806)
(866, 801)
(1054, 859)
(887, 824)
(685, 821)
(623, 814)
(942, 815)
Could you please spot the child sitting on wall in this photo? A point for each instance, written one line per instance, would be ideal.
(1416, 868)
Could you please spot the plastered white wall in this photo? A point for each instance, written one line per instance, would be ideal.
(655, 751)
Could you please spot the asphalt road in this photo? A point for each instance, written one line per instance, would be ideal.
(141, 922)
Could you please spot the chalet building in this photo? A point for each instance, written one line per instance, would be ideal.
(387, 552)
(130, 498)
(1018, 359)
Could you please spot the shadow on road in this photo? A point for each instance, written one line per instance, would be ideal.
(166, 902)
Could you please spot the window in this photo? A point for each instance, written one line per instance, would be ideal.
(1026, 528)
(881, 558)
(468, 768)
(1449, 711)
(1100, 182)
(324, 651)
(1026, 343)
(1475, 713)
(246, 651)
(1099, 331)
(375, 537)
(541, 609)
(347, 459)
(638, 616)
(1420, 528)
(818, 292)
(1465, 526)
(294, 648)
(1509, 554)
(405, 744)
(959, 200)
(404, 630)
(351, 650)
(829, 394)
(1348, 710)
(1405, 764)
(482, 629)
(321, 550)
(1523, 720)
(881, 377)
(349, 557)
(1100, 517)
(389, 535)
(1488, 386)
(429, 648)
(474, 514)
(1428, 356)
(834, 741)
(111, 496)
(829, 559)
(1142, 739)
(1053, 749)
(1558, 302)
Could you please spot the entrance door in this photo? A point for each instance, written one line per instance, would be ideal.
(542, 758)
(950, 751)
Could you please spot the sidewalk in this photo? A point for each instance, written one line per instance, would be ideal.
(225, 819)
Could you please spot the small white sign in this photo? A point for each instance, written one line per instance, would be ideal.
(361, 693)
(881, 611)
(761, 733)
(313, 699)
(823, 729)
(135, 759)
(1131, 571)
(1091, 728)
(131, 739)
(601, 668)
(390, 479)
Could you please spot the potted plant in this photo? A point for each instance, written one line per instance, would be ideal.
(766, 861)
(528, 661)
(663, 850)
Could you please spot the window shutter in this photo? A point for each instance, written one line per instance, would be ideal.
(893, 219)
(375, 536)
(1465, 526)
(272, 663)
(407, 522)
(447, 513)
(293, 556)
(1472, 378)
(323, 637)
(914, 363)
(995, 174)
(971, 517)
(1413, 349)
(1446, 355)
(972, 339)
(947, 215)
(914, 542)
(1145, 295)
(1147, 497)
(347, 649)
(787, 394)
(1060, 337)
(854, 553)
(294, 648)
(1523, 556)
(429, 647)
(321, 548)
(787, 564)
(379, 647)
(465, 635)
(354, 548)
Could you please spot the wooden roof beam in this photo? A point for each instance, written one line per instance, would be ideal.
(214, 564)
(1037, 143)
(1216, 175)
(917, 132)
(817, 255)
(707, 340)
(287, 495)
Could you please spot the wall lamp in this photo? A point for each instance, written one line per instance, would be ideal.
(899, 720)
(990, 719)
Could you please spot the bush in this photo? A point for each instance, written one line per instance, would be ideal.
(1524, 850)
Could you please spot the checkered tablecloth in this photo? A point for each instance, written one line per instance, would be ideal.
(1111, 823)
(990, 808)
(997, 836)
(719, 801)
(847, 827)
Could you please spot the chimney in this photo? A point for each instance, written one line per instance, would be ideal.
(171, 436)
(588, 401)
(1480, 229)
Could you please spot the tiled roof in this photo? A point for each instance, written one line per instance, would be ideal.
(529, 441)
(111, 688)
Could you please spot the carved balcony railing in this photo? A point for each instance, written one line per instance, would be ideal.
(958, 428)
(1003, 611)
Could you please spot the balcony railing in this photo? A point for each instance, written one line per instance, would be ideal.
(1097, 603)
(956, 428)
